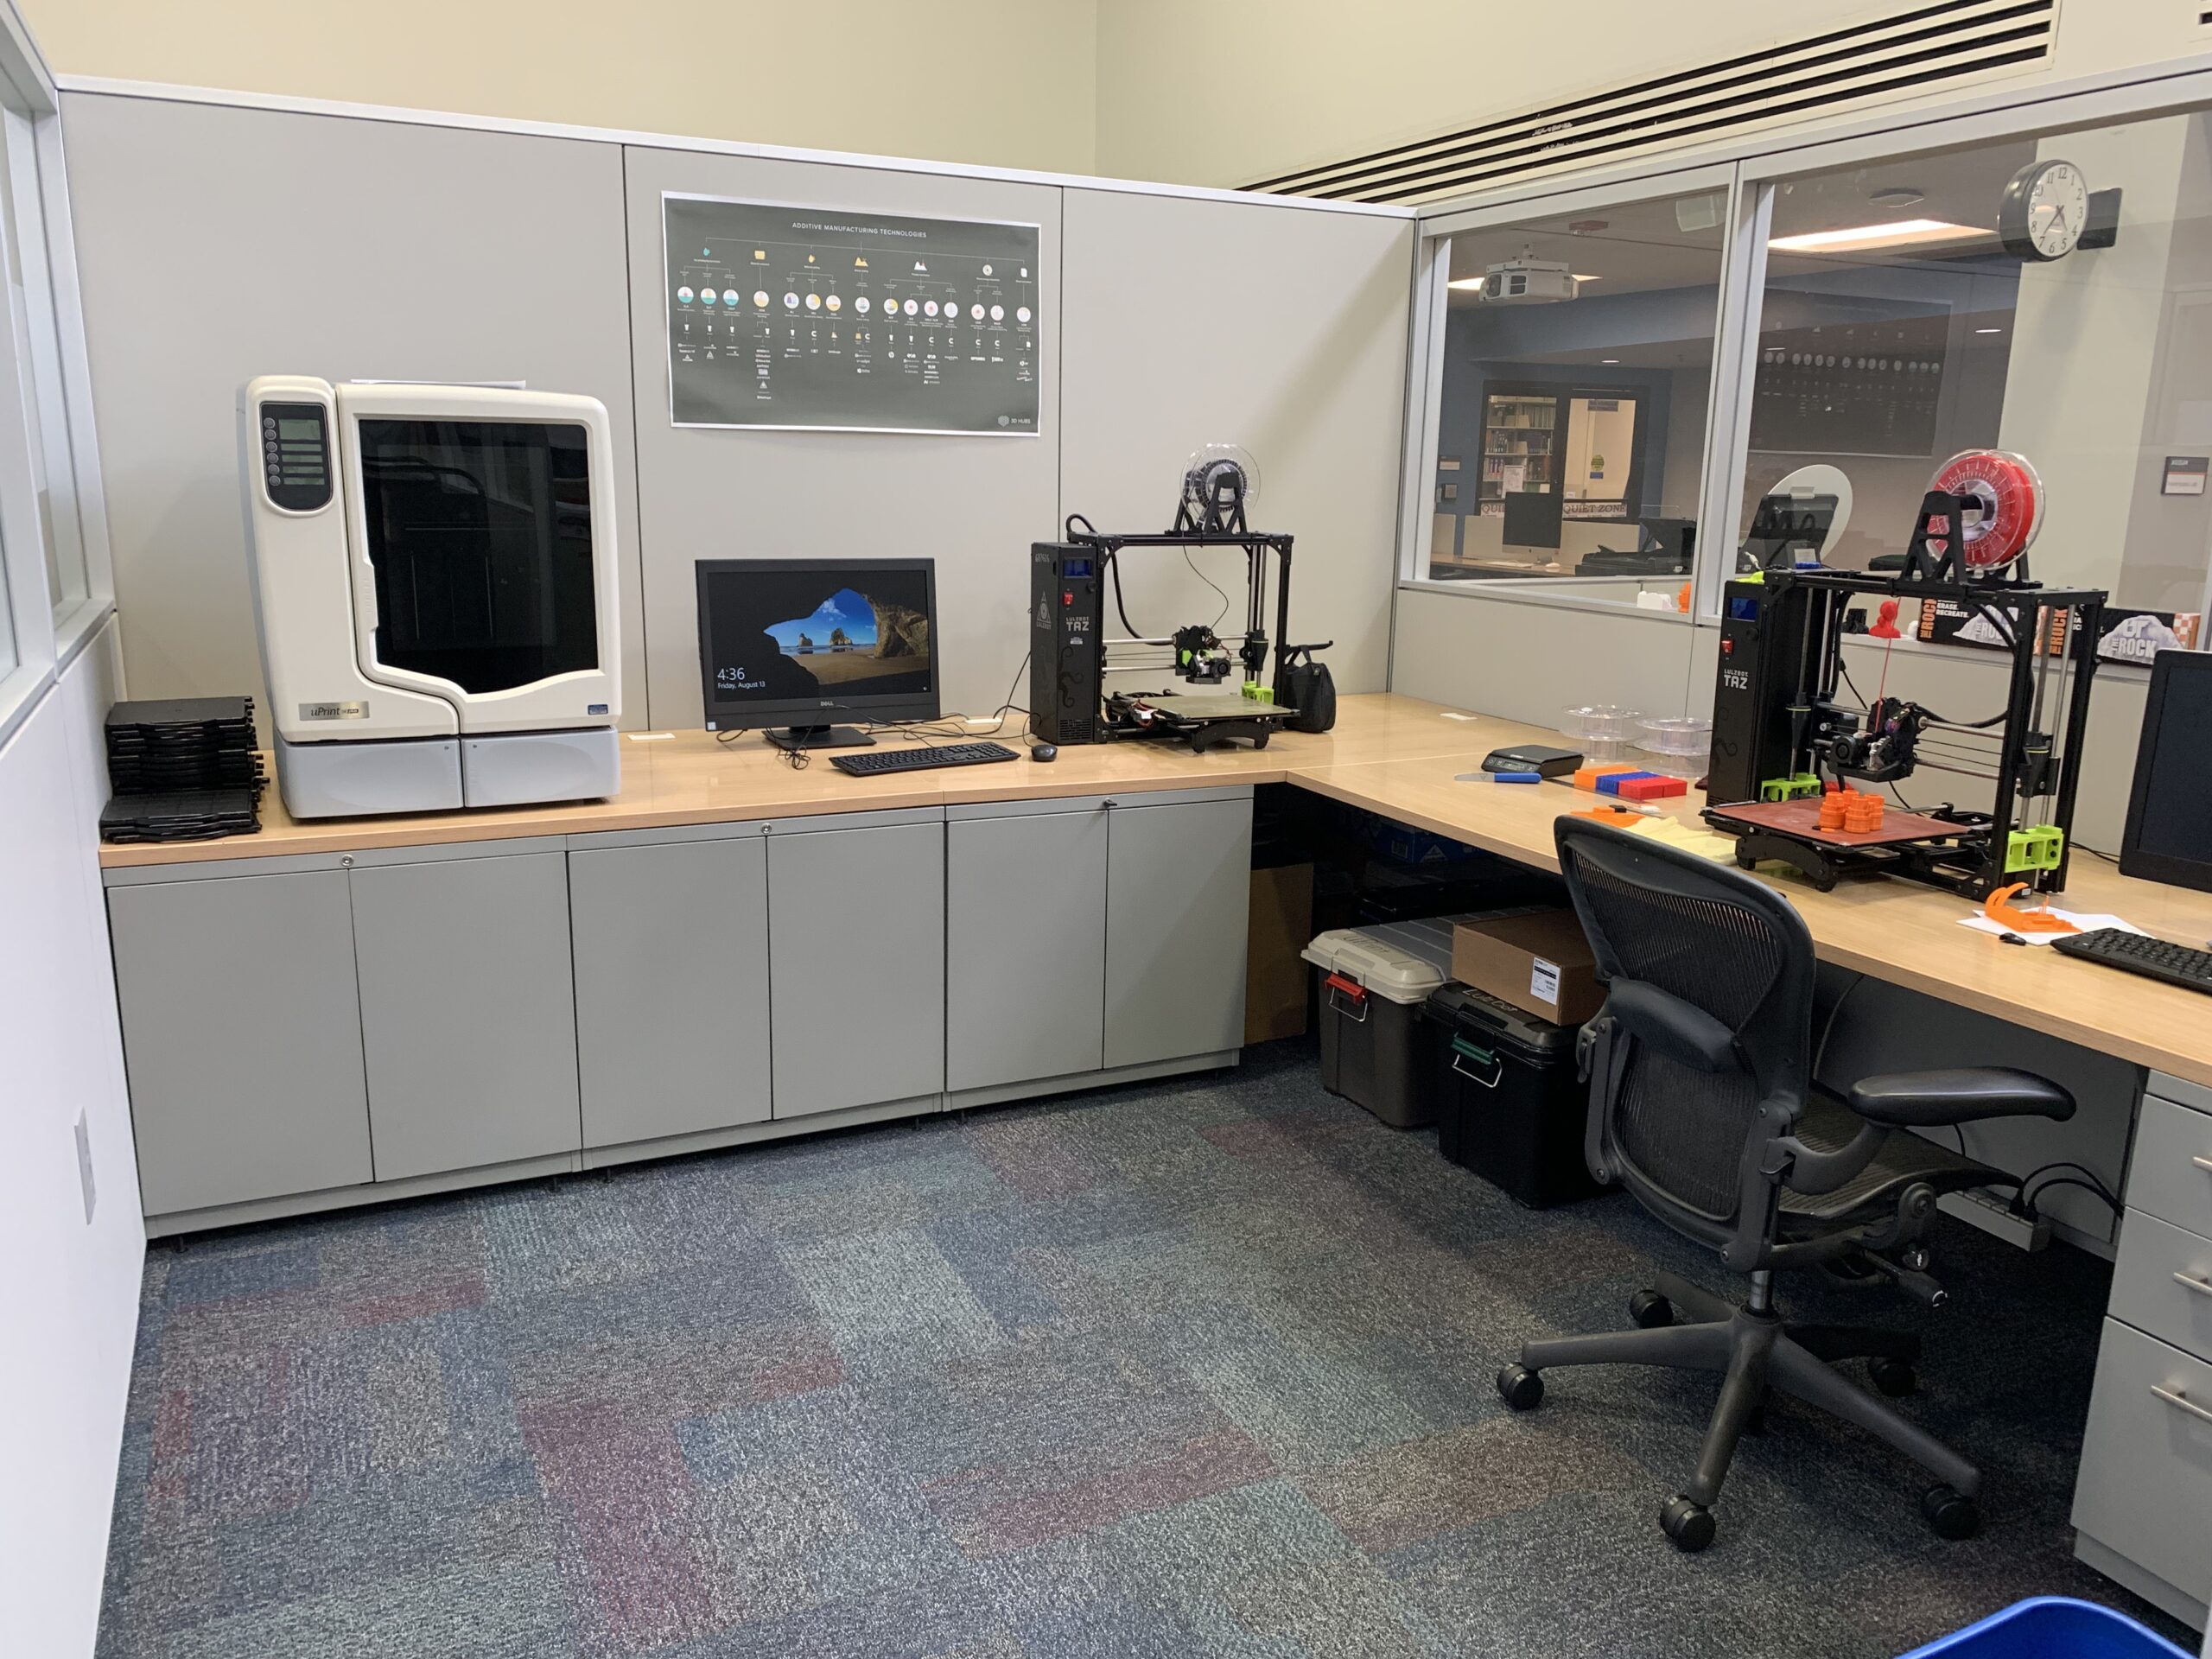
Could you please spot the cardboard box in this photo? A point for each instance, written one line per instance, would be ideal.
(1281, 922)
(1539, 961)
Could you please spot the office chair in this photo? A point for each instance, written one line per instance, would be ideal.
(1702, 1104)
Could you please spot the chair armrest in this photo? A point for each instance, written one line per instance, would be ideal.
(1680, 1030)
(1960, 1095)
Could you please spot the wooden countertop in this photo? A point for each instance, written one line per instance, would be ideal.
(1893, 930)
(690, 778)
(1391, 755)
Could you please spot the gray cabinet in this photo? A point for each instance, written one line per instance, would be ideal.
(670, 988)
(672, 965)
(2145, 1486)
(468, 1010)
(242, 1038)
(856, 957)
(1025, 956)
(1178, 889)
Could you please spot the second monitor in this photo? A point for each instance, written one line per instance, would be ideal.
(786, 646)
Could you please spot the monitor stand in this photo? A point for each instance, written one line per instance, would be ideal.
(817, 737)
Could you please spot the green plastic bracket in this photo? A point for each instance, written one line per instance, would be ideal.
(2036, 847)
(1795, 787)
(1259, 693)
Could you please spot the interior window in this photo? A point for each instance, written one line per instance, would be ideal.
(1899, 328)
(1577, 363)
(481, 534)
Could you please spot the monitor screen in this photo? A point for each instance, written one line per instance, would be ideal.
(2170, 812)
(1786, 528)
(795, 641)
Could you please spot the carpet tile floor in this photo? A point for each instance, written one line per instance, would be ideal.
(1196, 1368)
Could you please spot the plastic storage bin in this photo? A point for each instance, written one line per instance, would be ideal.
(1509, 1105)
(2053, 1627)
(1375, 987)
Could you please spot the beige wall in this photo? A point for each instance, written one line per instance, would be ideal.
(1228, 92)
(1194, 91)
(1006, 83)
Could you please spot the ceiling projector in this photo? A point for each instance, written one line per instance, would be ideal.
(1527, 282)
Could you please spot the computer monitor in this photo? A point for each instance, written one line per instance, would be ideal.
(786, 646)
(1788, 529)
(1677, 538)
(1532, 519)
(2169, 834)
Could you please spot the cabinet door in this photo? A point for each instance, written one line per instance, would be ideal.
(468, 1013)
(1024, 947)
(242, 1038)
(856, 966)
(1178, 888)
(671, 961)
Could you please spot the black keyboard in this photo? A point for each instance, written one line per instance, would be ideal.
(2177, 965)
(871, 763)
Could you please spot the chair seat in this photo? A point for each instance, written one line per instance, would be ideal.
(1828, 1124)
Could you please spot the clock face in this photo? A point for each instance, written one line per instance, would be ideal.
(2051, 208)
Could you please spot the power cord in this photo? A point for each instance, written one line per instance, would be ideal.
(1210, 582)
(2088, 1179)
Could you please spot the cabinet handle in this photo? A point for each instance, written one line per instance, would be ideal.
(2202, 1286)
(2203, 1163)
(2175, 1397)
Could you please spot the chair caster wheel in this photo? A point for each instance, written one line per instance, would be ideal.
(1520, 1388)
(1689, 1526)
(1650, 1310)
(1893, 1377)
(1953, 1513)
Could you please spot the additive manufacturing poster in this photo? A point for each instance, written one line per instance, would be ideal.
(813, 317)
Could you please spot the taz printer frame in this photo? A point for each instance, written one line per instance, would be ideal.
(1783, 724)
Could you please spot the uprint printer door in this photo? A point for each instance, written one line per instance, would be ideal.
(480, 525)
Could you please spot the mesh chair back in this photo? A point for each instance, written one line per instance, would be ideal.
(1711, 936)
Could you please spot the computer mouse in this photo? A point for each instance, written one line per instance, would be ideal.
(1044, 751)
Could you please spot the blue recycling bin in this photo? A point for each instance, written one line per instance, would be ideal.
(2053, 1627)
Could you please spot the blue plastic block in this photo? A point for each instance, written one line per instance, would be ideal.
(1611, 782)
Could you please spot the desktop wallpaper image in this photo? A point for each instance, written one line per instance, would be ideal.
(790, 635)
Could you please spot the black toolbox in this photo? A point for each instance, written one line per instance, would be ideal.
(1508, 1106)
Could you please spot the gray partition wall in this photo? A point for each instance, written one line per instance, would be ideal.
(1261, 324)
(972, 503)
(215, 244)
(223, 235)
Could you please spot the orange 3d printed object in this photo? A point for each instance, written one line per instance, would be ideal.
(1998, 908)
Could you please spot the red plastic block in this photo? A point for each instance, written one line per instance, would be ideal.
(1652, 788)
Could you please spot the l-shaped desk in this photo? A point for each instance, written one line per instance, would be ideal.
(1394, 756)
(731, 950)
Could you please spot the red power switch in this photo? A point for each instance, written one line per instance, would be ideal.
(1067, 599)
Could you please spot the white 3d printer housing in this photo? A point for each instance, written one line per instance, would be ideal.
(435, 590)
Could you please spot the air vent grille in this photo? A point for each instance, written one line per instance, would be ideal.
(1907, 54)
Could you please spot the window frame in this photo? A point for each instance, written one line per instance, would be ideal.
(1764, 175)
(1425, 383)
(1755, 166)
(45, 641)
